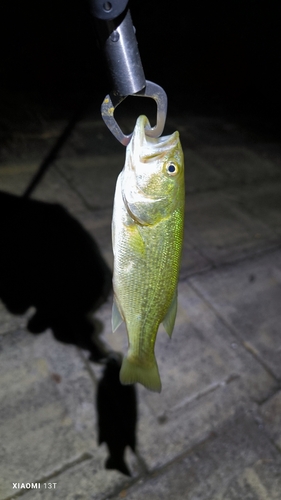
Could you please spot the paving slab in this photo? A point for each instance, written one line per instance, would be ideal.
(239, 165)
(192, 260)
(199, 173)
(91, 162)
(38, 431)
(237, 462)
(23, 152)
(271, 418)
(17, 176)
(91, 137)
(94, 177)
(247, 295)
(56, 189)
(161, 440)
(222, 231)
(48, 415)
(24, 146)
(268, 149)
(259, 482)
(264, 202)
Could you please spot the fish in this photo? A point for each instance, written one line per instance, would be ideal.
(147, 239)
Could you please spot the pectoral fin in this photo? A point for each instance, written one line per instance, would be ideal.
(116, 318)
(170, 318)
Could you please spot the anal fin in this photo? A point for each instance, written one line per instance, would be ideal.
(170, 318)
(116, 318)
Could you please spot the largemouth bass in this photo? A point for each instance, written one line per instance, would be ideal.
(147, 236)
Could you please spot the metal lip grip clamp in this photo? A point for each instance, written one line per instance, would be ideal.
(118, 41)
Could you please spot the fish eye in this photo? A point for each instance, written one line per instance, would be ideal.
(172, 169)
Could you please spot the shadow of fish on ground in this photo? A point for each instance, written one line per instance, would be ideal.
(117, 414)
(48, 261)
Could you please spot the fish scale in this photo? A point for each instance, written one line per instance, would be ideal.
(147, 235)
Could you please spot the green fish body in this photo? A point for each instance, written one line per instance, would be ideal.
(147, 236)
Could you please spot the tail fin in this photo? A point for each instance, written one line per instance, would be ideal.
(147, 376)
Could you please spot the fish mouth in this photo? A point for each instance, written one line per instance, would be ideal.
(148, 148)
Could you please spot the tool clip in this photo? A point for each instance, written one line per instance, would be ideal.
(113, 100)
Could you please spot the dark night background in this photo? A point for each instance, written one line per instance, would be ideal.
(220, 53)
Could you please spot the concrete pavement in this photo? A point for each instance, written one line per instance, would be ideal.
(214, 432)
